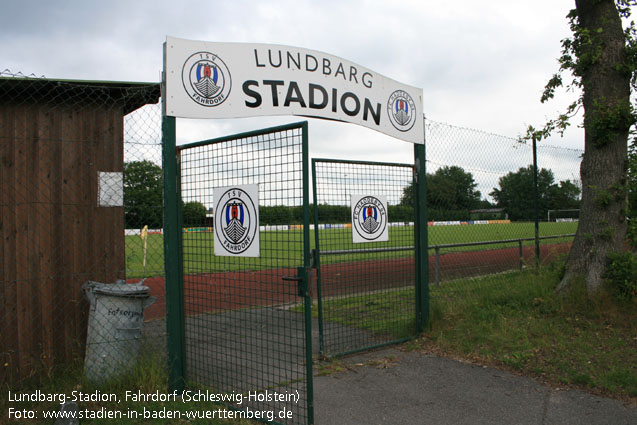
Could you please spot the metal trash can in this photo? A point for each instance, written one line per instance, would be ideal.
(115, 323)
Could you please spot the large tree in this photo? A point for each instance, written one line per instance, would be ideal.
(193, 213)
(515, 193)
(448, 188)
(564, 196)
(600, 56)
(142, 195)
(452, 188)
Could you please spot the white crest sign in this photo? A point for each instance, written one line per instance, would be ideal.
(369, 218)
(236, 221)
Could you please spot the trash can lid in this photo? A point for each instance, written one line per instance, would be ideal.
(120, 289)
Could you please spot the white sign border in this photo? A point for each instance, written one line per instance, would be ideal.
(357, 237)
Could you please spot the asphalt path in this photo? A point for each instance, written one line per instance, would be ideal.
(388, 387)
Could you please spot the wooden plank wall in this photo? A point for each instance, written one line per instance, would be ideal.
(54, 236)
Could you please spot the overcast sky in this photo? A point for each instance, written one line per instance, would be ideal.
(481, 64)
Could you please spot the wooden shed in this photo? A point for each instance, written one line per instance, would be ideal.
(56, 138)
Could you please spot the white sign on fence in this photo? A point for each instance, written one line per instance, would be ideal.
(236, 220)
(110, 191)
(230, 80)
(369, 218)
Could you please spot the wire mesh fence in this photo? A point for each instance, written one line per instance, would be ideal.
(143, 217)
(480, 188)
(81, 199)
(365, 290)
(62, 147)
(245, 328)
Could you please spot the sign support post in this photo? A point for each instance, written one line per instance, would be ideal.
(173, 276)
(421, 237)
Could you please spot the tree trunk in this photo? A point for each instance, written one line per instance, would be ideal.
(606, 100)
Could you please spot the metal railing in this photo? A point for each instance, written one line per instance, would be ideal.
(437, 249)
(519, 241)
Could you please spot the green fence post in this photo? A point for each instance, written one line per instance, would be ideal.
(536, 214)
(420, 237)
(317, 261)
(306, 268)
(174, 287)
(437, 269)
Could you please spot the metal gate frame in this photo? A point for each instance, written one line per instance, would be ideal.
(421, 274)
(174, 254)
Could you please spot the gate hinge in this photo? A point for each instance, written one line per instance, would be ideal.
(313, 258)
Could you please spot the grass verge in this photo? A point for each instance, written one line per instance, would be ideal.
(516, 321)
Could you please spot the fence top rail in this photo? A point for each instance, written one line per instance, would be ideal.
(244, 135)
(349, 161)
(456, 245)
(437, 247)
(359, 251)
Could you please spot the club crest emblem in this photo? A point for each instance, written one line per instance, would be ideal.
(234, 218)
(369, 219)
(206, 79)
(236, 221)
(401, 109)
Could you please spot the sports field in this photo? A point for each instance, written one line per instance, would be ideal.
(276, 246)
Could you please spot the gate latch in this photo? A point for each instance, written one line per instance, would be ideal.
(301, 278)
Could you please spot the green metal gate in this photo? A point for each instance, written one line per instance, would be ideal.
(244, 326)
(369, 294)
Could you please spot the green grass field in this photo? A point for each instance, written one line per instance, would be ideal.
(284, 248)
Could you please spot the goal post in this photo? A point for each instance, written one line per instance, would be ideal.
(562, 215)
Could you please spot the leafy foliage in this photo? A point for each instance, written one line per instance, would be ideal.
(328, 214)
(452, 188)
(451, 193)
(515, 194)
(193, 213)
(621, 275)
(143, 194)
(579, 52)
(632, 194)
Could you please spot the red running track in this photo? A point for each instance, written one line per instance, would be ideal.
(210, 292)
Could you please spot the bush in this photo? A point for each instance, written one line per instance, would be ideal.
(621, 275)
(193, 214)
(275, 215)
(400, 213)
(632, 232)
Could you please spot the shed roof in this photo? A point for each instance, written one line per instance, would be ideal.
(29, 90)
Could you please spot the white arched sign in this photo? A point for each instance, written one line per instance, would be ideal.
(231, 80)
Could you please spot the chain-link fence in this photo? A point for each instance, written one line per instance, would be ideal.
(143, 216)
(64, 148)
(81, 199)
(480, 193)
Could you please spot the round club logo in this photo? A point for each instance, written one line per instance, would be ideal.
(402, 110)
(369, 218)
(206, 79)
(236, 221)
